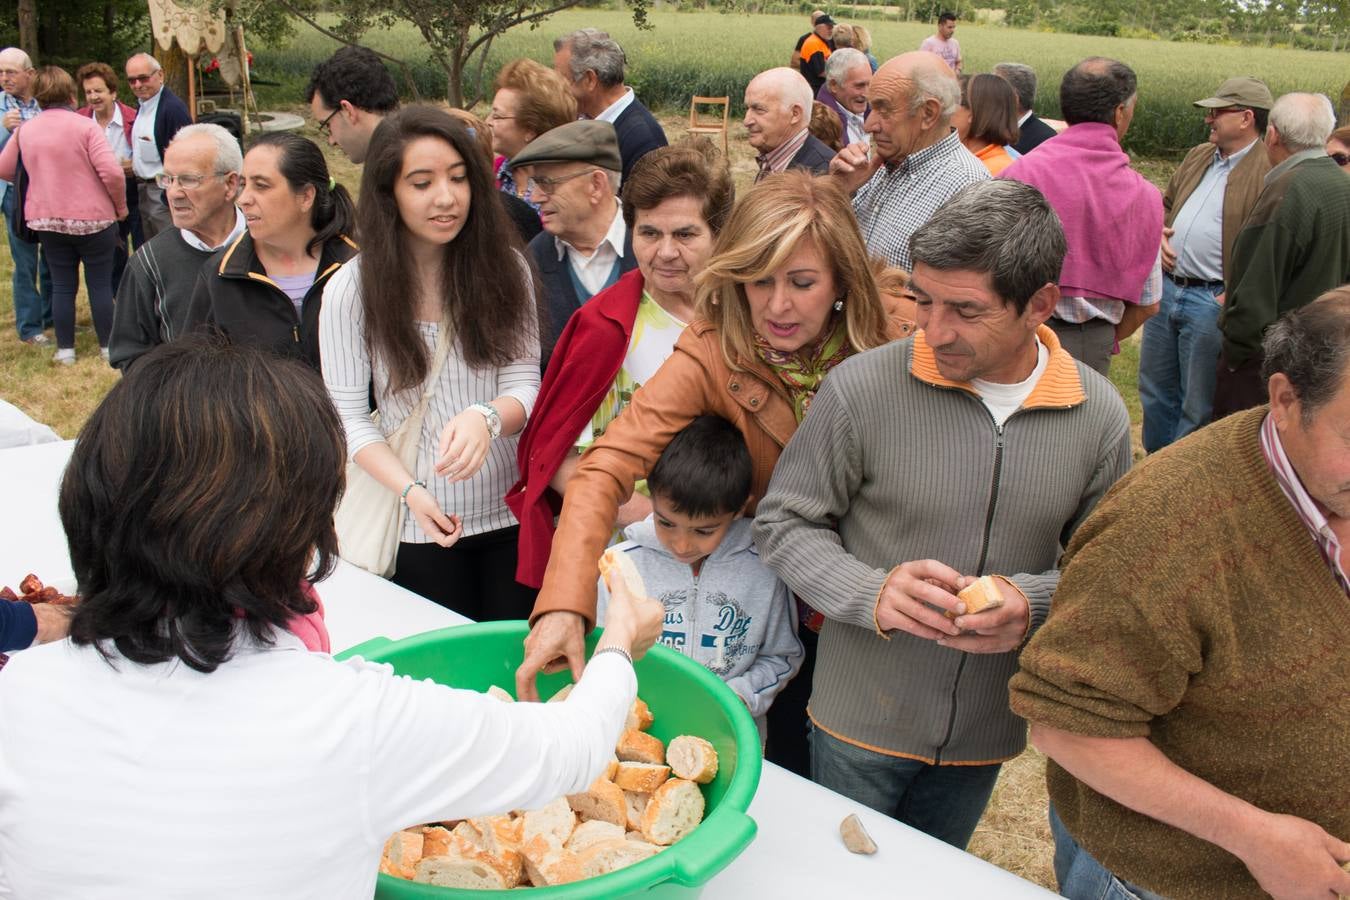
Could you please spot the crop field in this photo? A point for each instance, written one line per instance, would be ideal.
(712, 53)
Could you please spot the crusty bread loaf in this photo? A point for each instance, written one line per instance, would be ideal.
(640, 716)
(556, 820)
(592, 832)
(608, 856)
(603, 800)
(636, 803)
(639, 746)
(401, 853)
(692, 758)
(640, 776)
(615, 563)
(979, 595)
(500, 694)
(548, 862)
(675, 810)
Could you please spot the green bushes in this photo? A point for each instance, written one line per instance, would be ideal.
(714, 53)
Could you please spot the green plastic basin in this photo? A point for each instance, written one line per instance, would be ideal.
(684, 697)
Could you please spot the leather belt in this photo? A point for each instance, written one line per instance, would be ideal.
(1193, 282)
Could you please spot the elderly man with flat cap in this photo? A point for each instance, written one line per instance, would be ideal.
(918, 162)
(573, 177)
(1205, 204)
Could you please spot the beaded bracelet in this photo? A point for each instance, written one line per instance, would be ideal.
(404, 496)
(619, 650)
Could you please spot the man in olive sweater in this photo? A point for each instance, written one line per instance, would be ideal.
(974, 448)
(1294, 245)
(1192, 685)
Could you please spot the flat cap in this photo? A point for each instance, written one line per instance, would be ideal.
(1240, 91)
(587, 141)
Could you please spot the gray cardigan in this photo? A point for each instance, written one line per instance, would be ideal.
(895, 463)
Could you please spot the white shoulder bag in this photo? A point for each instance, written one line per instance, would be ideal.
(369, 519)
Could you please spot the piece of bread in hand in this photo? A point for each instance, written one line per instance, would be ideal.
(980, 595)
(674, 810)
(603, 800)
(640, 717)
(639, 746)
(609, 856)
(593, 832)
(614, 562)
(641, 777)
(692, 758)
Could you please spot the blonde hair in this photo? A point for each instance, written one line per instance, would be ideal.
(767, 225)
(843, 35)
(543, 100)
(862, 38)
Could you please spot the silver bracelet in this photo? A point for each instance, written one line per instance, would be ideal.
(619, 650)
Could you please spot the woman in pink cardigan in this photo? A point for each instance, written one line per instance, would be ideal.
(76, 196)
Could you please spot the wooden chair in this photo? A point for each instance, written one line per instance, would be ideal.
(709, 123)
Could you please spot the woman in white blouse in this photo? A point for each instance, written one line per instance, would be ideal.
(438, 252)
(185, 727)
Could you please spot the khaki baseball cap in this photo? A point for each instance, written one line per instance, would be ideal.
(1240, 91)
(587, 141)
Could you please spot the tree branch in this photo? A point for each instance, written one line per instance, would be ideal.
(407, 73)
(500, 27)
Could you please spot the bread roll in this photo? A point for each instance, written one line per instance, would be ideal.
(555, 820)
(675, 810)
(980, 595)
(615, 563)
(692, 758)
(640, 718)
(639, 746)
(593, 832)
(641, 777)
(603, 800)
(436, 839)
(401, 853)
(609, 856)
(548, 862)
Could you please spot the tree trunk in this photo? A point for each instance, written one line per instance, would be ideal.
(28, 31)
(175, 63)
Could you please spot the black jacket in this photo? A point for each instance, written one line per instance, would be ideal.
(560, 297)
(235, 296)
(1034, 132)
(815, 155)
(638, 133)
(171, 115)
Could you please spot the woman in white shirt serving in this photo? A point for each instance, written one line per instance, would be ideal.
(183, 729)
(438, 252)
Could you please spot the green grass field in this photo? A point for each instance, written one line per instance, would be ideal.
(687, 53)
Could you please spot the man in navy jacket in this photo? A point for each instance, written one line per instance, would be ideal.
(160, 116)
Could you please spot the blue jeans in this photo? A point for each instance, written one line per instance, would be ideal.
(945, 802)
(32, 304)
(66, 252)
(1177, 364)
(1081, 877)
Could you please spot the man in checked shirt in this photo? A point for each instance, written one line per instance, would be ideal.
(917, 162)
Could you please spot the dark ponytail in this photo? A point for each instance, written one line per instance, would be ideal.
(301, 162)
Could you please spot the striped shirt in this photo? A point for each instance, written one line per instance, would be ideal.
(777, 159)
(348, 372)
(898, 199)
(1309, 513)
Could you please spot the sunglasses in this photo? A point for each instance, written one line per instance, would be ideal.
(141, 79)
(1341, 159)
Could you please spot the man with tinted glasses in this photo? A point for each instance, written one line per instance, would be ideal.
(585, 246)
(200, 180)
(1205, 204)
(158, 119)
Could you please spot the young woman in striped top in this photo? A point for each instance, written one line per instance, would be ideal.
(438, 254)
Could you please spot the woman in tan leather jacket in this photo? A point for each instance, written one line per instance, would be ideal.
(788, 293)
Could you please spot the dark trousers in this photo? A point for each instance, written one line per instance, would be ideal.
(475, 578)
(788, 744)
(64, 254)
(1090, 342)
(1239, 387)
(129, 234)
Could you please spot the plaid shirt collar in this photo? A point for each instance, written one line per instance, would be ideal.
(777, 159)
(1309, 512)
(922, 159)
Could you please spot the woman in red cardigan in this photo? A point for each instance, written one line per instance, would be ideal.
(675, 203)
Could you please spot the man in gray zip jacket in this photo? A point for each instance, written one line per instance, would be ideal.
(976, 447)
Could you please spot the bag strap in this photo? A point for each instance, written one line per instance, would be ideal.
(442, 353)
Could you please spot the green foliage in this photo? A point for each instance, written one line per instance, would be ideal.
(74, 32)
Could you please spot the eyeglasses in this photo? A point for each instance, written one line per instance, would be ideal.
(323, 126)
(1215, 113)
(495, 116)
(141, 79)
(186, 182)
(1340, 159)
(544, 185)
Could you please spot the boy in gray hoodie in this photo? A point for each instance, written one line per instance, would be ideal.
(724, 607)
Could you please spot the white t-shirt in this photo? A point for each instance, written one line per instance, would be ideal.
(281, 774)
(1002, 400)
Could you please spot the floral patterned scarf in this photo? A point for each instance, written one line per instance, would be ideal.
(802, 371)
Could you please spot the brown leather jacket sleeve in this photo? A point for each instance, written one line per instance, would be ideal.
(681, 390)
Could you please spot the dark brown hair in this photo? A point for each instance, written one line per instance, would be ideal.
(199, 495)
(301, 163)
(993, 108)
(98, 70)
(689, 170)
(486, 282)
(53, 87)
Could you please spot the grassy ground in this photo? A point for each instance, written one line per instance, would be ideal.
(1013, 833)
